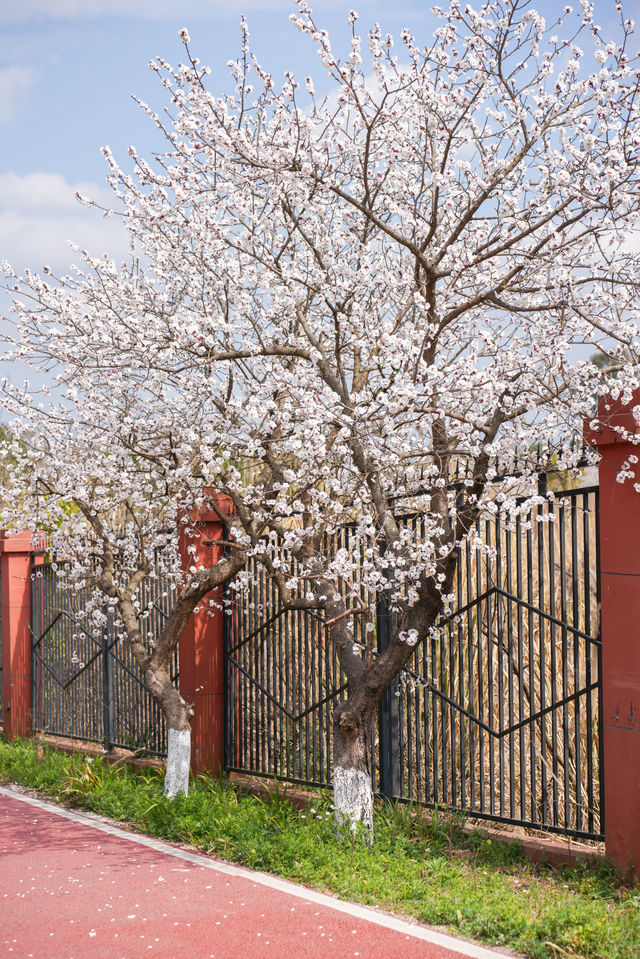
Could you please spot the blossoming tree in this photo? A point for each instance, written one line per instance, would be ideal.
(337, 303)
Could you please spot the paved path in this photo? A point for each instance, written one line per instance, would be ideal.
(72, 887)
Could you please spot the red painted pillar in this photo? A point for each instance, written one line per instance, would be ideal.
(201, 649)
(16, 553)
(620, 633)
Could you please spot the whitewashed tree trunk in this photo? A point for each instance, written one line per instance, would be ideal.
(176, 779)
(352, 786)
(177, 716)
(353, 801)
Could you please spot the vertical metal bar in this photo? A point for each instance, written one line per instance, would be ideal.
(228, 697)
(263, 712)
(404, 740)
(333, 679)
(331, 685)
(258, 658)
(236, 627)
(275, 654)
(42, 692)
(500, 629)
(543, 669)
(444, 714)
(520, 645)
(323, 685)
(455, 643)
(247, 660)
(388, 712)
(405, 746)
(510, 677)
(532, 675)
(272, 664)
(575, 618)
(267, 652)
(62, 725)
(301, 693)
(35, 631)
(36, 604)
(565, 662)
(471, 674)
(71, 700)
(418, 695)
(46, 698)
(458, 754)
(434, 712)
(586, 559)
(150, 588)
(554, 666)
(252, 662)
(246, 702)
(107, 706)
(52, 692)
(311, 717)
(268, 742)
(292, 626)
(138, 697)
(337, 668)
(283, 687)
(39, 629)
(241, 628)
(428, 745)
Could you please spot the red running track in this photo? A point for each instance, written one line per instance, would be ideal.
(74, 887)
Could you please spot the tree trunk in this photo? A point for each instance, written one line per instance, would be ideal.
(176, 778)
(352, 786)
(177, 714)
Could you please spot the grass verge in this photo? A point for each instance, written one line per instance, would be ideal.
(422, 865)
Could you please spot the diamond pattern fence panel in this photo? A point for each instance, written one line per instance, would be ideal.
(498, 715)
(86, 684)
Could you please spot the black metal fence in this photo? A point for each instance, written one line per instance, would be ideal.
(86, 684)
(498, 714)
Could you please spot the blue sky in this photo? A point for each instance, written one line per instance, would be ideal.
(68, 69)
(67, 72)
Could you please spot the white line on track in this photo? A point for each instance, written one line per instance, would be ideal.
(467, 949)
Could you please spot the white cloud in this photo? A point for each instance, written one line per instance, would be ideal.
(15, 83)
(39, 215)
(12, 11)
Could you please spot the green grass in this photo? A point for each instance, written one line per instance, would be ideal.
(491, 894)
